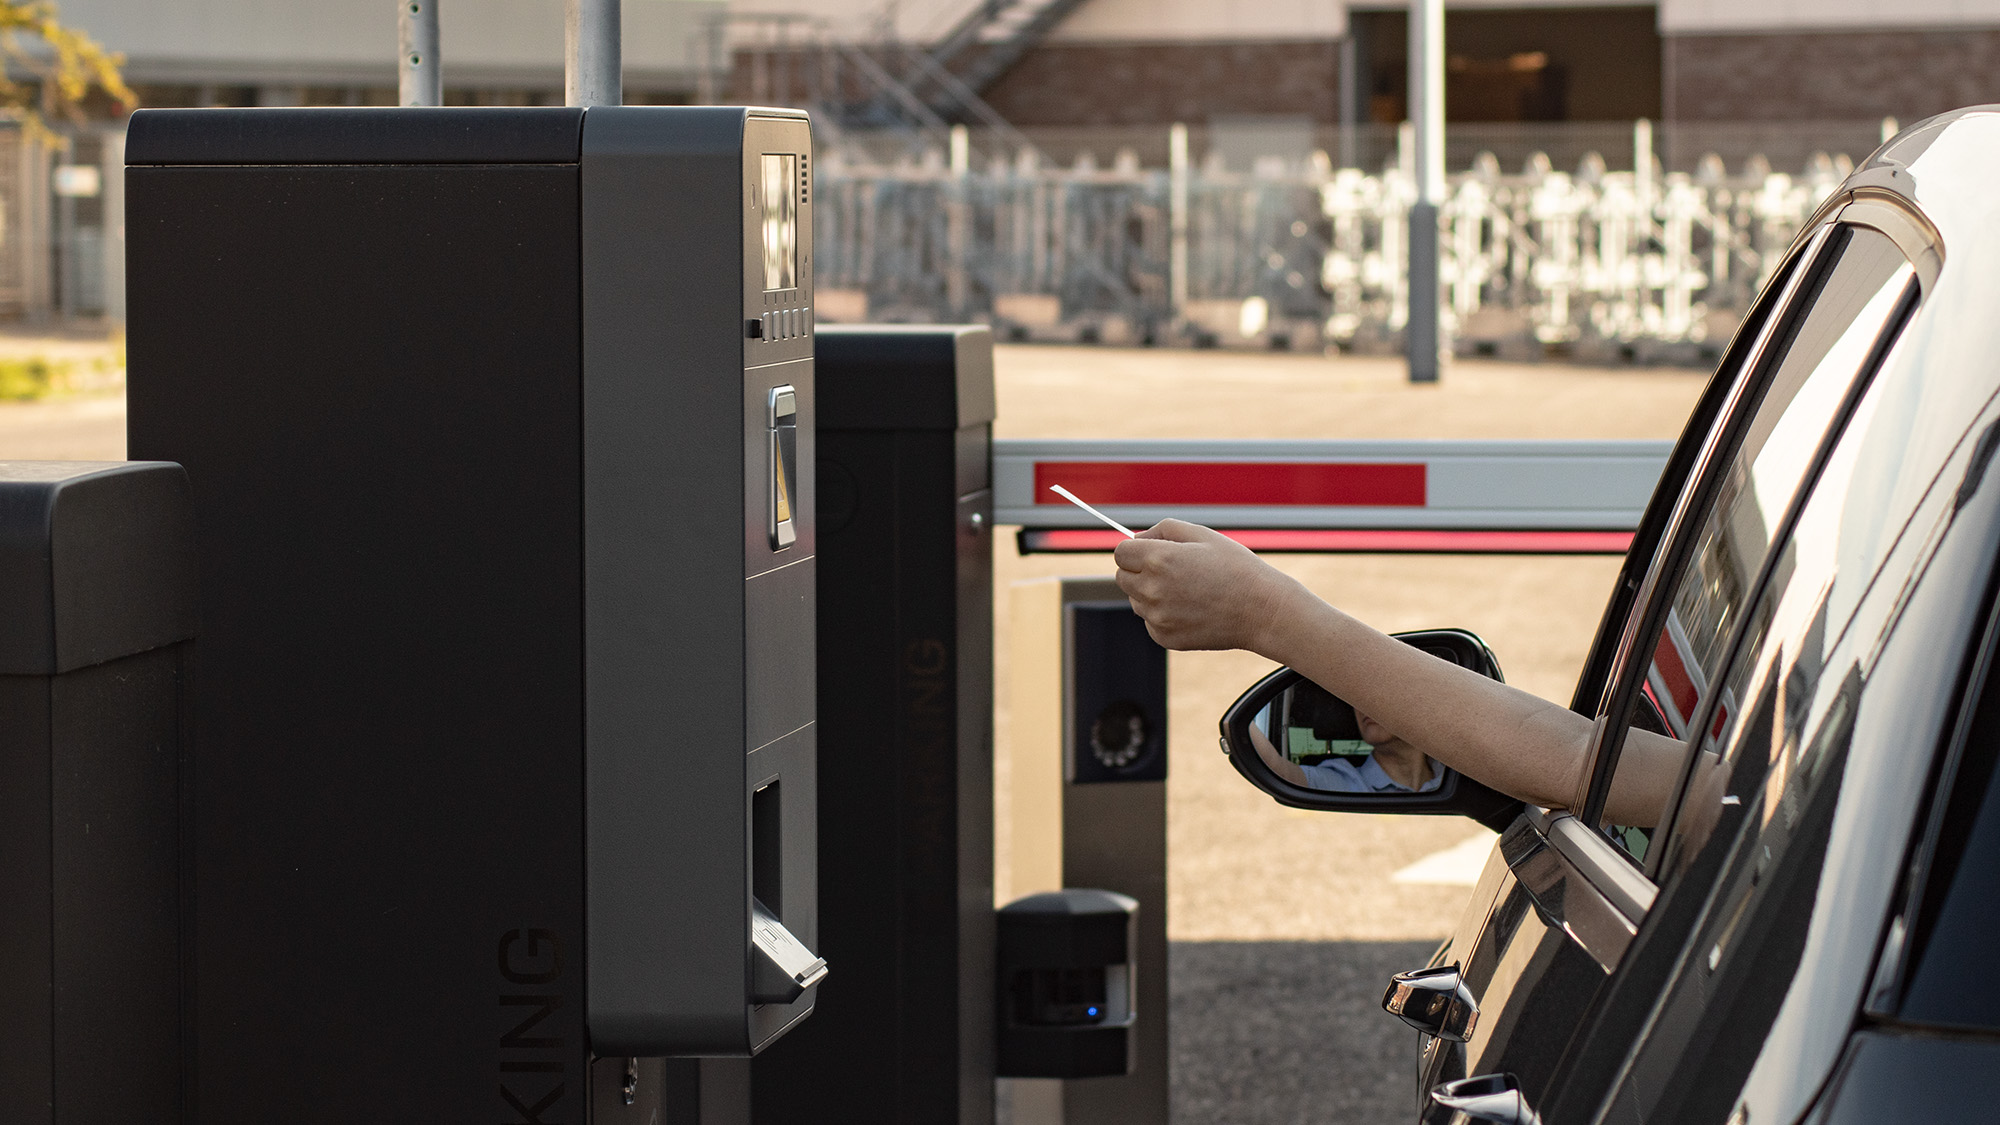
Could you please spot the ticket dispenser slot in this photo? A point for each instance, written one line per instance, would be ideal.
(784, 967)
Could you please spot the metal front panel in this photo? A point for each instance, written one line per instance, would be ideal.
(780, 597)
(790, 765)
(906, 778)
(701, 630)
(1114, 838)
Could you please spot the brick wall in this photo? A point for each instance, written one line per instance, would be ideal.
(1156, 83)
(1831, 75)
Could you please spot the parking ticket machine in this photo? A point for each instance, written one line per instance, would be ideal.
(499, 428)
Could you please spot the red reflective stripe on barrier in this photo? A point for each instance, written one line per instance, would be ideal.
(1673, 672)
(1328, 541)
(1243, 483)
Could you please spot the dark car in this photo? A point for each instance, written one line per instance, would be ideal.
(1804, 930)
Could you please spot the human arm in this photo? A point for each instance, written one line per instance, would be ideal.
(1199, 589)
(1282, 766)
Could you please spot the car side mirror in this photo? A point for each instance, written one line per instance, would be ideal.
(1305, 747)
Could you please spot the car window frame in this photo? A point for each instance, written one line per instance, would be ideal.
(1605, 921)
(1706, 716)
(1880, 210)
(1742, 636)
(1625, 678)
(1596, 676)
(1910, 582)
(1697, 495)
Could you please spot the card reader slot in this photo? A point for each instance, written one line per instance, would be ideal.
(782, 434)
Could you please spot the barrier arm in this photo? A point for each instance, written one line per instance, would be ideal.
(1336, 496)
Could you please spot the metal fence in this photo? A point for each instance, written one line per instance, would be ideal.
(1631, 256)
(1591, 239)
(62, 251)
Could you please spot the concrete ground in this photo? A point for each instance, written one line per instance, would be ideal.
(83, 427)
(1285, 923)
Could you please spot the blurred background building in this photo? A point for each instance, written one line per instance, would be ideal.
(1096, 63)
(343, 52)
(1193, 171)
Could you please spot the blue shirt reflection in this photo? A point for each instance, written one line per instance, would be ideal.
(1342, 775)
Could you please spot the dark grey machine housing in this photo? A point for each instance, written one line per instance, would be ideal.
(499, 424)
(97, 573)
(905, 1031)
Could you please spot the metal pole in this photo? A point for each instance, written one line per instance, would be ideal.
(113, 163)
(592, 66)
(1350, 99)
(421, 81)
(1643, 161)
(1427, 115)
(1177, 224)
(958, 223)
(66, 289)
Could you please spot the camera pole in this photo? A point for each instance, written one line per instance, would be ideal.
(420, 81)
(1427, 116)
(592, 68)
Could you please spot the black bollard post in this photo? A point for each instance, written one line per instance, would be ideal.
(97, 573)
(904, 1030)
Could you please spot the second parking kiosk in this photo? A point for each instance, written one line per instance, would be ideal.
(499, 428)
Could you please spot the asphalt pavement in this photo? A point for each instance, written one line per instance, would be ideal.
(1290, 1031)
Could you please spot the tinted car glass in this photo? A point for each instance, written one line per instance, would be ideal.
(1816, 361)
(1782, 672)
(1780, 935)
(1592, 684)
(1958, 918)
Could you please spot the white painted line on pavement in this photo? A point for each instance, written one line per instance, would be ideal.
(1456, 866)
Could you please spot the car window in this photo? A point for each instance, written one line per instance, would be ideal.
(1815, 361)
(1594, 680)
(1959, 911)
(1751, 856)
(1781, 673)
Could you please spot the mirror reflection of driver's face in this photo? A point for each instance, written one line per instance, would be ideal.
(1391, 765)
(1404, 764)
(1372, 732)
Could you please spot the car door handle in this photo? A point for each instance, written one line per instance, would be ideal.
(1487, 1097)
(1434, 1001)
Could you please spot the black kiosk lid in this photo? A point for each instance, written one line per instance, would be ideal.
(96, 560)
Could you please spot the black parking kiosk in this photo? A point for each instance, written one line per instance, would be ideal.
(499, 424)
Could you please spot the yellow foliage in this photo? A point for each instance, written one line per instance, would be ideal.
(30, 378)
(65, 63)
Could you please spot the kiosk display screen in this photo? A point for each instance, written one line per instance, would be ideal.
(781, 222)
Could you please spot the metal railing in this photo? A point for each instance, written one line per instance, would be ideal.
(1630, 255)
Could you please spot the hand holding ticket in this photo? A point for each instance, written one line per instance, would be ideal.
(1066, 494)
